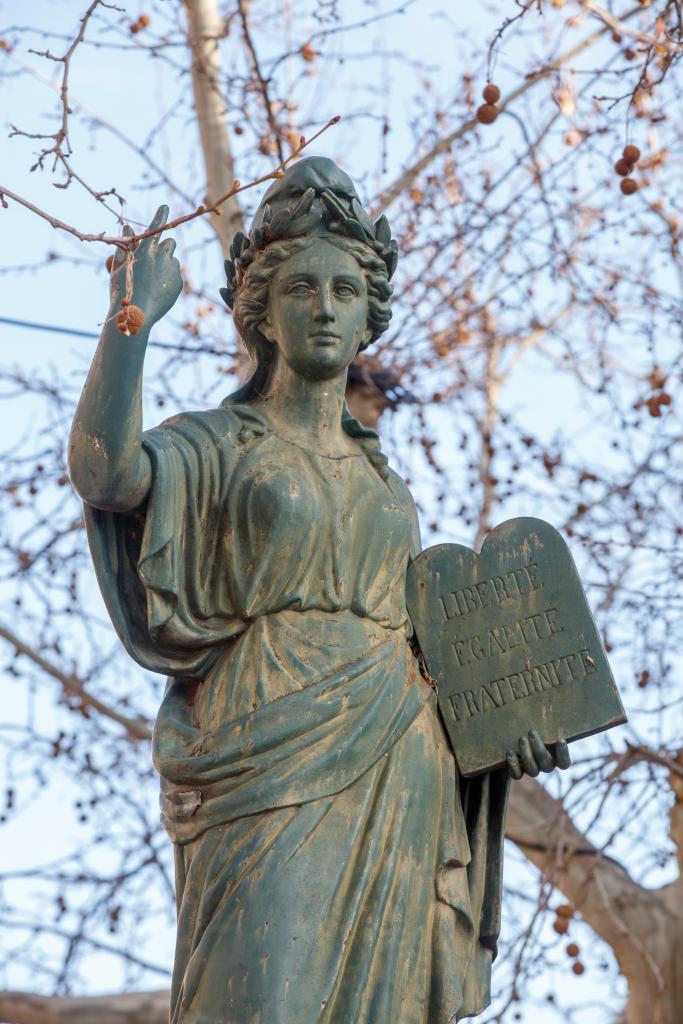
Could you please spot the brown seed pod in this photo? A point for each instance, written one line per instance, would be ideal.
(130, 320)
(491, 93)
(561, 925)
(573, 949)
(565, 910)
(631, 155)
(628, 186)
(487, 113)
(135, 28)
(622, 167)
(110, 262)
(308, 53)
(578, 967)
(143, 20)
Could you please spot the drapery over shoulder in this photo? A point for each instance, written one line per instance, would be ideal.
(249, 571)
(159, 568)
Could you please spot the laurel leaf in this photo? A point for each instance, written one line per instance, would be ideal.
(228, 296)
(362, 218)
(391, 259)
(382, 230)
(304, 204)
(334, 206)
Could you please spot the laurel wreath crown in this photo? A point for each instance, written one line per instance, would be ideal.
(302, 218)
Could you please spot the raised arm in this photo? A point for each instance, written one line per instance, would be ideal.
(108, 466)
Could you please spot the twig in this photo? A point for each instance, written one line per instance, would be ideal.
(616, 25)
(262, 82)
(61, 137)
(409, 176)
(135, 727)
(128, 241)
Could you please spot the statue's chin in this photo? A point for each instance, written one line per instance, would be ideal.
(325, 361)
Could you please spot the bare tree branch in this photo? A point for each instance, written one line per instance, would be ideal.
(131, 1008)
(408, 177)
(136, 728)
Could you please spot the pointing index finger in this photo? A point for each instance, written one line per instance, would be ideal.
(158, 221)
(159, 218)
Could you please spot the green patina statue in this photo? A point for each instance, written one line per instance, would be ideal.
(331, 865)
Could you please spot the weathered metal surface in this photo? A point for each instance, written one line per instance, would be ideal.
(510, 640)
(331, 866)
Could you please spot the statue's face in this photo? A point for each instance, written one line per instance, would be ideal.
(318, 310)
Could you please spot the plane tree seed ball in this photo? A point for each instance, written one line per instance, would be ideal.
(573, 949)
(578, 967)
(622, 168)
(631, 155)
(565, 910)
(491, 93)
(561, 925)
(130, 320)
(629, 186)
(487, 113)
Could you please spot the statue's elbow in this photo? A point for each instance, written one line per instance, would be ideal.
(100, 481)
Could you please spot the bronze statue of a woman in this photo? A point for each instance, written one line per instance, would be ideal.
(331, 867)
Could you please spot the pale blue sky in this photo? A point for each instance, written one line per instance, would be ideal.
(135, 94)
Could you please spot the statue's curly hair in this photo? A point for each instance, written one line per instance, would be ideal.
(251, 295)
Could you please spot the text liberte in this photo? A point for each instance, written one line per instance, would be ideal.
(490, 592)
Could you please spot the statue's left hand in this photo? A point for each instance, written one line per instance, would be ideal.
(534, 757)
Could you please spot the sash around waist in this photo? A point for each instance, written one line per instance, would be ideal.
(301, 705)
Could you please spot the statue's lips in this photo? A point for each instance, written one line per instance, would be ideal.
(326, 337)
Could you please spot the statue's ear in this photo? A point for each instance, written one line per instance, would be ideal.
(364, 342)
(266, 329)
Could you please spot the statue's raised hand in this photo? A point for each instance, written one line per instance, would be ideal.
(534, 757)
(154, 275)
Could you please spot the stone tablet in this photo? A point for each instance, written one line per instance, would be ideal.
(511, 642)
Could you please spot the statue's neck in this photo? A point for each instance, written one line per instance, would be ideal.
(307, 411)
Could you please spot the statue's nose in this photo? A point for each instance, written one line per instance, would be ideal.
(326, 311)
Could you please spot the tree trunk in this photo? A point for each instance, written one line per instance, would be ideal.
(134, 1008)
(643, 927)
(205, 29)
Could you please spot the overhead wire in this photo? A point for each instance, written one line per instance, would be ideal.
(77, 333)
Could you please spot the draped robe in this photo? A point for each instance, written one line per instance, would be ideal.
(331, 867)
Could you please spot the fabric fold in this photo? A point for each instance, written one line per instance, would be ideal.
(330, 864)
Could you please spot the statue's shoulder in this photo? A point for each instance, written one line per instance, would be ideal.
(227, 424)
(401, 490)
(404, 497)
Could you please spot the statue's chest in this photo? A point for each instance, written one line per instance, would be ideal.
(283, 494)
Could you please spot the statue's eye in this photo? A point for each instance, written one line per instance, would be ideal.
(299, 288)
(345, 291)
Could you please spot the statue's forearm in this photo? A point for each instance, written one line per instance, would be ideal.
(108, 465)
